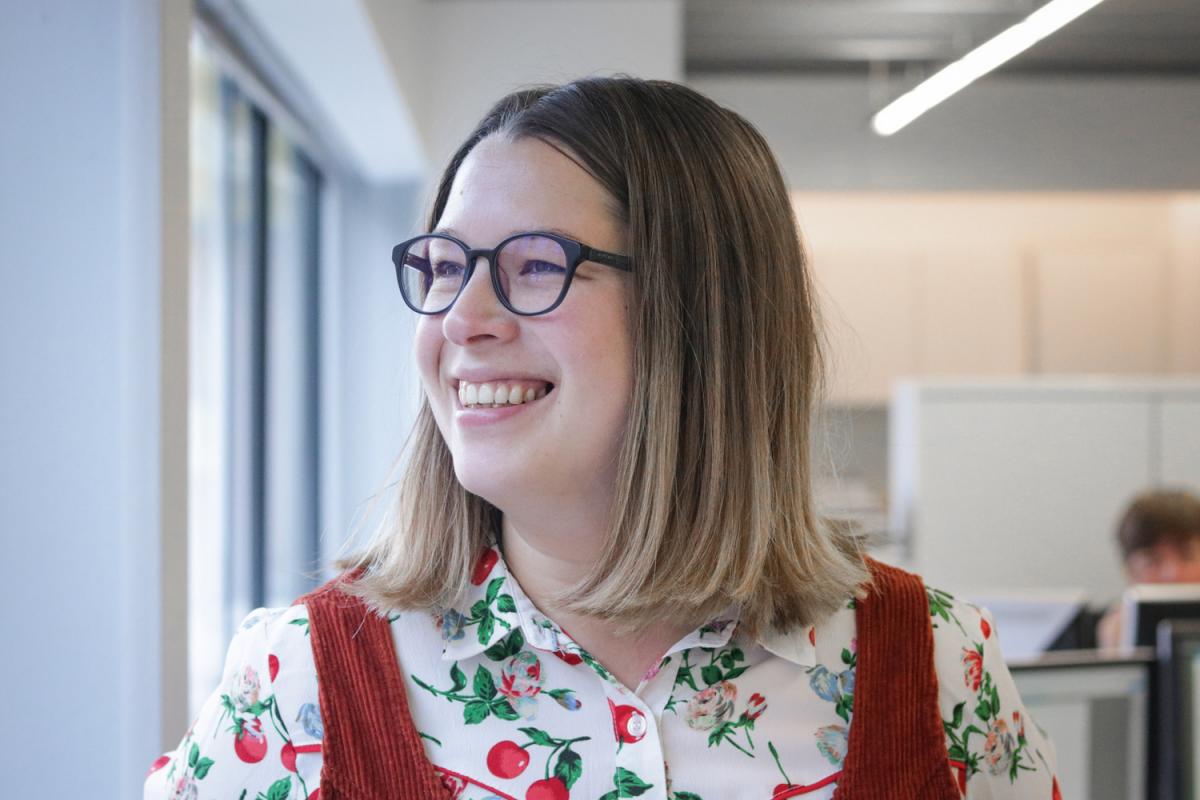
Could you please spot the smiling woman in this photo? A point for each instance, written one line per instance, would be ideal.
(603, 575)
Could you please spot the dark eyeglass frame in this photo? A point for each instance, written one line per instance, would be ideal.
(576, 252)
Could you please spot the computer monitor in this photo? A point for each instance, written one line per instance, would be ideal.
(1030, 622)
(1146, 605)
(1178, 654)
(1095, 710)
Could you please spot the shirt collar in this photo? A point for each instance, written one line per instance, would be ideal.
(798, 646)
(484, 615)
(494, 607)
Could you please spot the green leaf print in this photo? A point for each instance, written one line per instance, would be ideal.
(506, 603)
(626, 784)
(475, 712)
(487, 625)
(485, 685)
(458, 678)
(493, 589)
(193, 755)
(629, 784)
(957, 718)
(538, 736)
(279, 790)
(303, 623)
(983, 710)
(202, 768)
(686, 796)
(711, 674)
(941, 605)
(569, 767)
(504, 710)
(507, 647)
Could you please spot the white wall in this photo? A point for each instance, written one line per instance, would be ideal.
(997, 134)
(90, 468)
(454, 60)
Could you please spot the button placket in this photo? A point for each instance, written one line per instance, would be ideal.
(639, 750)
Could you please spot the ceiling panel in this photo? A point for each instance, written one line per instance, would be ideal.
(1117, 37)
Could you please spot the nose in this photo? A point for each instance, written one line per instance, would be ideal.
(477, 314)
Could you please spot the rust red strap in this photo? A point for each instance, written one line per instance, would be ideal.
(897, 747)
(372, 750)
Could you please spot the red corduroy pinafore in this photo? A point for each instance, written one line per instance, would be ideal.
(897, 749)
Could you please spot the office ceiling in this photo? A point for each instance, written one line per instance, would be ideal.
(915, 37)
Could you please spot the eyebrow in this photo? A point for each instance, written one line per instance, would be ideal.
(558, 231)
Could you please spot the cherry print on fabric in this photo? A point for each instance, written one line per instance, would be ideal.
(484, 566)
(507, 759)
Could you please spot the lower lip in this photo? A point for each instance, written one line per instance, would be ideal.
(470, 417)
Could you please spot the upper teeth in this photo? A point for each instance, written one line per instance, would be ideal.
(508, 393)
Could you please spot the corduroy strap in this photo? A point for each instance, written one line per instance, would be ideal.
(897, 748)
(371, 748)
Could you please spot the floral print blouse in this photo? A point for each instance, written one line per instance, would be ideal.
(508, 706)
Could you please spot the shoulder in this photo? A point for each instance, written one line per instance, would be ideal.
(994, 744)
(256, 720)
(272, 631)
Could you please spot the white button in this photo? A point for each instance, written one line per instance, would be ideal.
(636, 725)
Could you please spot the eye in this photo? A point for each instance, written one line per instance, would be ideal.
(446, 270)
(535, 267)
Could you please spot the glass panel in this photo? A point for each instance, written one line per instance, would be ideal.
(291, 348)
(208, 406)
(254, 341)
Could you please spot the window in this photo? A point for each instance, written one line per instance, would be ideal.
(254, 494)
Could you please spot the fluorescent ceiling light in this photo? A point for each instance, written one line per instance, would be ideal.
(980, 61)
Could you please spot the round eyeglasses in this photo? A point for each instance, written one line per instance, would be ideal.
(531, 272)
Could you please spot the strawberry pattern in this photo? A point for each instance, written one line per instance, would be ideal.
(510, 707)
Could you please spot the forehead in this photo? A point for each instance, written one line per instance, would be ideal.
(505, 186)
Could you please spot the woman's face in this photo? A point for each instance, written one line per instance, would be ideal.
(560, 447)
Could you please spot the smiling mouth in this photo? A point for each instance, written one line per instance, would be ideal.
(501, 394)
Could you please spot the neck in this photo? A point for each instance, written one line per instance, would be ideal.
(547, 561)
(545, 565)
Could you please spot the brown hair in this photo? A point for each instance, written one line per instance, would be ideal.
(713, 501)
(1161, 515)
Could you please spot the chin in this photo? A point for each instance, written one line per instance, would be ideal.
(486, 482)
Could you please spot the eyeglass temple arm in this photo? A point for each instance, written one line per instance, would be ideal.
(606, 258)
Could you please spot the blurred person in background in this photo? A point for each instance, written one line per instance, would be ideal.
(604, 574)
(1159, 539)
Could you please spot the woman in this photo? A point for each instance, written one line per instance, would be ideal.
(604, 576)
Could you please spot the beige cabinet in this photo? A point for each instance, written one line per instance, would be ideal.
(869, 314)
(1099, 311)
(1004, 285)
(970, 316)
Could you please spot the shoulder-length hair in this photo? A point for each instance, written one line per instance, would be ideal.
(713, 499)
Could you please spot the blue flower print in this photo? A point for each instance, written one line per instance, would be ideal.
(310, 719)
(451, 622)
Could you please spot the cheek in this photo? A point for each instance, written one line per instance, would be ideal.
(427, 350)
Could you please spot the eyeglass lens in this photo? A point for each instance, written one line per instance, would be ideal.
(532, 271)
